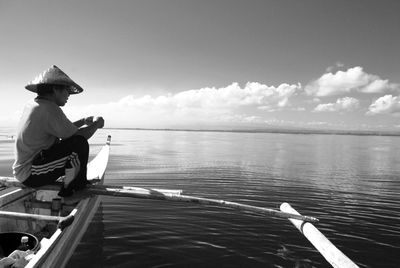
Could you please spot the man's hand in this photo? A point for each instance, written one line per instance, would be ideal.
(88, 120)
(99, 121)
(88, 130)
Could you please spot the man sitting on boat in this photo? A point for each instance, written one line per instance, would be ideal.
(48, 145)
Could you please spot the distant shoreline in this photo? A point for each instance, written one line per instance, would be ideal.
(278, 131)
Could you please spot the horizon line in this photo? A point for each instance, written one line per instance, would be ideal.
(276, 130)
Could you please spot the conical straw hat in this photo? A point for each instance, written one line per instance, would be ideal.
(54, 76)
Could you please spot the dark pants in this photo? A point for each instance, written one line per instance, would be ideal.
(49, 164)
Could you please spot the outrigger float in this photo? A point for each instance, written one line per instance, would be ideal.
(60, 226)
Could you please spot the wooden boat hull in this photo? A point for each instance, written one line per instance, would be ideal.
(55, 250)
(62, 244)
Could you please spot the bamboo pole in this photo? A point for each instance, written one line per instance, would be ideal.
(164, 194)
(331, 253)
(174, 195)
(62, 221)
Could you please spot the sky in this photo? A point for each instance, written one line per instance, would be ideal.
(210, 64)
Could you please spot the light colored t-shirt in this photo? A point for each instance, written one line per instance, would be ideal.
(42, 123)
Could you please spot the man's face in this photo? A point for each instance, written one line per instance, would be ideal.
(61, 95)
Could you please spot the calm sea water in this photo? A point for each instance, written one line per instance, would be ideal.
(351, 183)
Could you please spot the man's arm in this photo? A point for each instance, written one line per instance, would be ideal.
(91, 128)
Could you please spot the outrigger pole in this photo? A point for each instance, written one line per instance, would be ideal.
(163, 194)
(175, 195)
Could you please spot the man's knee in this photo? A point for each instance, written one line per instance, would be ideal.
(80, 142)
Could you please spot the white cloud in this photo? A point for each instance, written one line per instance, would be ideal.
(206, 105)
(387, 104)
(316, 123)
(344, 104)
(238, 118)
(352, 80)
(299, 109)
(253, 93)
(338, 65)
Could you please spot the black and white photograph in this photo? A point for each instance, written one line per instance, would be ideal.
(200, 133)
